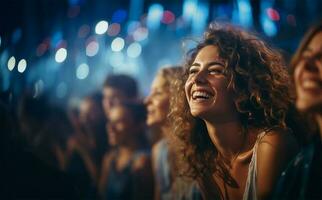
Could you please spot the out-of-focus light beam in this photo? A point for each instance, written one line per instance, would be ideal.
(82, 71)
(114, 29)
(119, 16)
(117, 44)
(11, 63)
(155, 15)
(61, 55)
(101, 27)
(92, 48)
(134, 50)
(22, 65)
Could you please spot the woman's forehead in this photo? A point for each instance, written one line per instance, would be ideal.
(315, 43)
(208, 52)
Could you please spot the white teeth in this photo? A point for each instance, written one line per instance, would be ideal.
(309, 84)
(199, 94)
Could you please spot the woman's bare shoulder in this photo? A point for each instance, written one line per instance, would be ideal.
(278, 138)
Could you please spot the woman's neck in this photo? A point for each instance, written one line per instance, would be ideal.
(161, 131)
(319, 121)
(165, 130)
(129, 146)
(228, 138)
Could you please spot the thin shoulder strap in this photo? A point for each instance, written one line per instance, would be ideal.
(250, 192)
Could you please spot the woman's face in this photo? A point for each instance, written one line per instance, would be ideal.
(157, 102)
(206, 88)
(89, 112)
(112, 97)
(121, 126)
(308, 76)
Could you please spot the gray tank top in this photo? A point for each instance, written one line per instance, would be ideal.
(250, 192)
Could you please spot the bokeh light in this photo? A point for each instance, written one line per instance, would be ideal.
(132, 26)
(114, 29)
(273, 14)
(155, 15)
(101, 27)
(168, 17)
(116, 59)
(61, 55)
(189, 9)
(92, 48)
(117, 44)
(11, 63)
(140, 34)
(134, 50)
(269, 27)
(119, 16)
(82, 71)
(22, 65)
(39, 87)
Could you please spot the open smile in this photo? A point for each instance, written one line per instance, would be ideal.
(201, 95)
(311, 84)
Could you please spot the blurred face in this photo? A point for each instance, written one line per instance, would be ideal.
(88, 111)
(308, 76)
(207, 89)
(111, 98)
(157, 103)
(121, 126)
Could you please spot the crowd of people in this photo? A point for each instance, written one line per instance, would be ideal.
(234, 121)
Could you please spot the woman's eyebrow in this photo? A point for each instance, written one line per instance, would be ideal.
(195, 64)
(307, 49)
(215, 63)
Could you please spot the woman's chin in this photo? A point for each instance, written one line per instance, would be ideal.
(309, 106)
(198, 113)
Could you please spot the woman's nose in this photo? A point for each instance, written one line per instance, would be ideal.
(200, 77)
(147, 100)
(311, 63)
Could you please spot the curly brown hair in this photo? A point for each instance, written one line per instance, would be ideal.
(170, 74)
(259, 80)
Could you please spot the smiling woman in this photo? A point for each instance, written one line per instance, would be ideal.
(215, 97)
(303, 178)
(229, 115)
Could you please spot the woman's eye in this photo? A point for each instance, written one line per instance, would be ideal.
(193, 71)
(156, 93)
(216, 71)
(305, 56)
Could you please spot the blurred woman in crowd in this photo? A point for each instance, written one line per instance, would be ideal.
(87, 146)
(158, 105)
(35, 151)
(45, 127)
(229, 115)
(126, 171)
(303, 178)
(118, 88)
